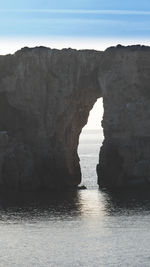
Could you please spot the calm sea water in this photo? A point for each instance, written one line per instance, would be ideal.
(88, 150)
(84, 228)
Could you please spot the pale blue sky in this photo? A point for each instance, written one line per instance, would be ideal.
(84, 18)
(77, 4)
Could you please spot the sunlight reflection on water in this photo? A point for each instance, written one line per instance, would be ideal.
(79, 228)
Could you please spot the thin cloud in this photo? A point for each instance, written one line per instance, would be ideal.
(67, 20)
(79, 11)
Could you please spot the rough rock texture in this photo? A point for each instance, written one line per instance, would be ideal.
(45, 99)
(124, 76)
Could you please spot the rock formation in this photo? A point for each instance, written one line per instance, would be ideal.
(124, 76)
(45, 98)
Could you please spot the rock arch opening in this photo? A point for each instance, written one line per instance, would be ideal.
(90, 140)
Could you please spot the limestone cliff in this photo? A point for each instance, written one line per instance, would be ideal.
(124, 76)
(45, 99)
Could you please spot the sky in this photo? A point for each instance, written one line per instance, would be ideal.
(81, 24)
(95, 116)
(73, 23)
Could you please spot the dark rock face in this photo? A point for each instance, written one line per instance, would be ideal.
(45, 99)
(124, 76)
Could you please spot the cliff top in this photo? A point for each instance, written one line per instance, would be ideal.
(38, 49)
(137, 47)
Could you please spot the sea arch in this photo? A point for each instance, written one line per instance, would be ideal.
(46, 95)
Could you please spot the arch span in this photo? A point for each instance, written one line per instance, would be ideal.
(48, 95)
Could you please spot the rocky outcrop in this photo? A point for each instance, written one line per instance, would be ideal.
(124, 76)
(45, 99)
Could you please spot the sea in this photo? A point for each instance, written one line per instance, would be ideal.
(84, 228)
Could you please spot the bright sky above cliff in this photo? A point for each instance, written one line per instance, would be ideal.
(73, 23)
